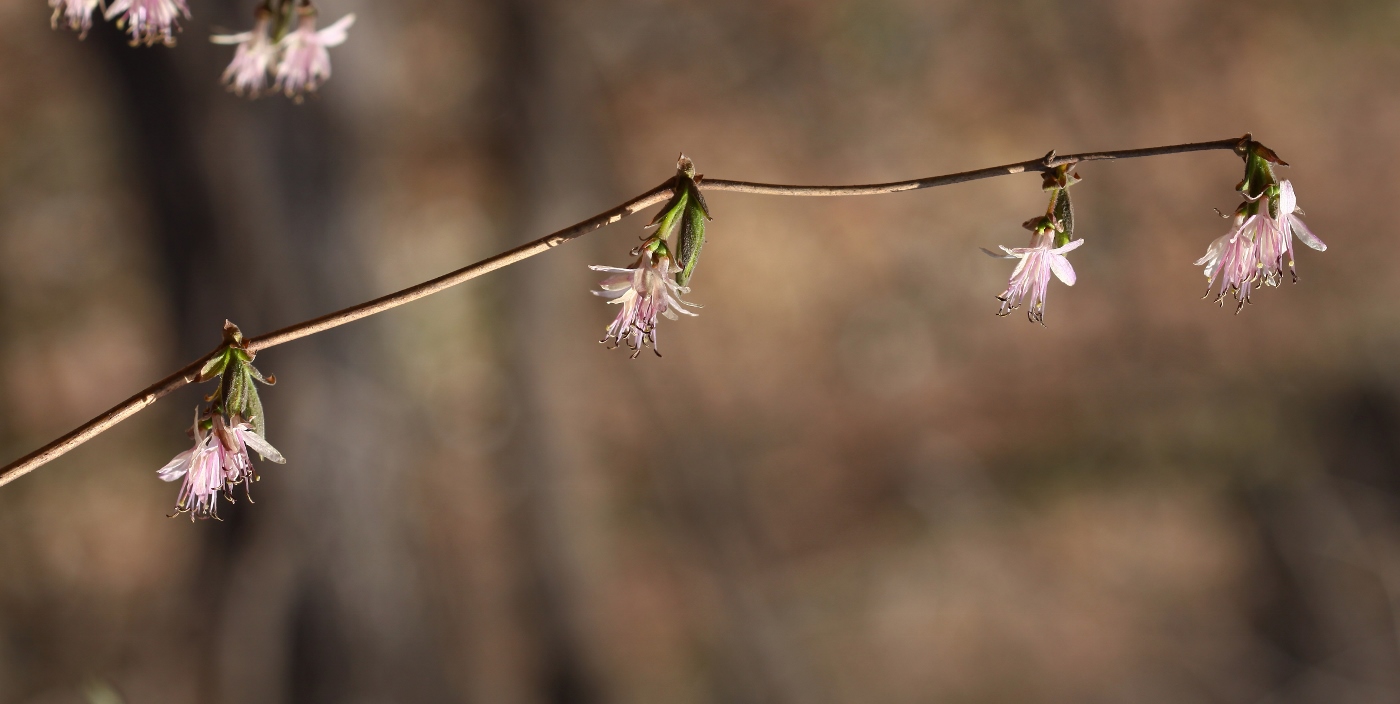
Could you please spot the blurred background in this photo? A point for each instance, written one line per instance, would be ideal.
(846, 481)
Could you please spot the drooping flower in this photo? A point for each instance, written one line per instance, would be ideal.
(253, 60)
(149, 21)
(644, 290)
(217, 462)
(1233, 263)
(306, 63)
(77, 14)
(1030, 280)
(202, 469)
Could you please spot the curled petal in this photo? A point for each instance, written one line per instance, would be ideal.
(261, 446)
(1305, 235)
(176, 468)
(336, 34)
(1287, 199)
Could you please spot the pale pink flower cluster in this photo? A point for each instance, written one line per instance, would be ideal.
(644, 290)
(300, 62)
(77, 14)
(1030, 280)
(149, 21)
(1256, 249)
(217, 463)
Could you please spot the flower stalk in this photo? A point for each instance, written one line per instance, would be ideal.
(223, 432)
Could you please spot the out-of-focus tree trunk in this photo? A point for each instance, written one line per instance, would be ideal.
(311, 596)
(552, 169)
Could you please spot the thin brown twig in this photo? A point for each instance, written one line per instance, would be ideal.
(189, 373)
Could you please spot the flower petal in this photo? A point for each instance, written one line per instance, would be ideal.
(335, 35)
(176, 468)
(994, 255)
(262, 447)
(1287, 200)
(227, 39)
(1304, 234)
(1060, 265)
(616, 282)
(1069, 247)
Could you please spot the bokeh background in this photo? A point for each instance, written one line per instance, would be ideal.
(846, 481)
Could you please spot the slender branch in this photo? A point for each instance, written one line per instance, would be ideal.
(1049, 161)
(189, 373)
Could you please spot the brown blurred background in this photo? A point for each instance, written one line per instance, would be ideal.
(846, 481)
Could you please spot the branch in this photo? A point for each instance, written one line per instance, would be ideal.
(189, 373)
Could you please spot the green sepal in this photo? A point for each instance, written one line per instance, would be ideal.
(1064, 217)
(666, 220)
(254, 416)
(1259, 176)
(241, 394)
(214, 367)
(235, 390)
(692, 240)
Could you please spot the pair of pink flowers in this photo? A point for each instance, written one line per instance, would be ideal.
(1257, 247)
(217, 463)
(299, 62)
(1254, 252)
(147, 21)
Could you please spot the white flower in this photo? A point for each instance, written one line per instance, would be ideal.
(149, 21)
(305, 62)
(1030, 280)
(203, 473)
(644, 290)
(252, 61)
(77, 14)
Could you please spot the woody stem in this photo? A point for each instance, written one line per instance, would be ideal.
(189, 373)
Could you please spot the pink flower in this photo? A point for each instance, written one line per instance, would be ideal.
(247, 73)
(77, 14)
(149, 21)
(644, 290)
(1233, 262)
(203, 473)
(305, 62)
(1031, 277)
(217, 462)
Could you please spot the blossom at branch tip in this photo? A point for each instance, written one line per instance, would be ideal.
(218, 462)
(644, 290)
(149, 21)
(77, 14)
(1030, 280)
(253, 59)
(306, 63)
